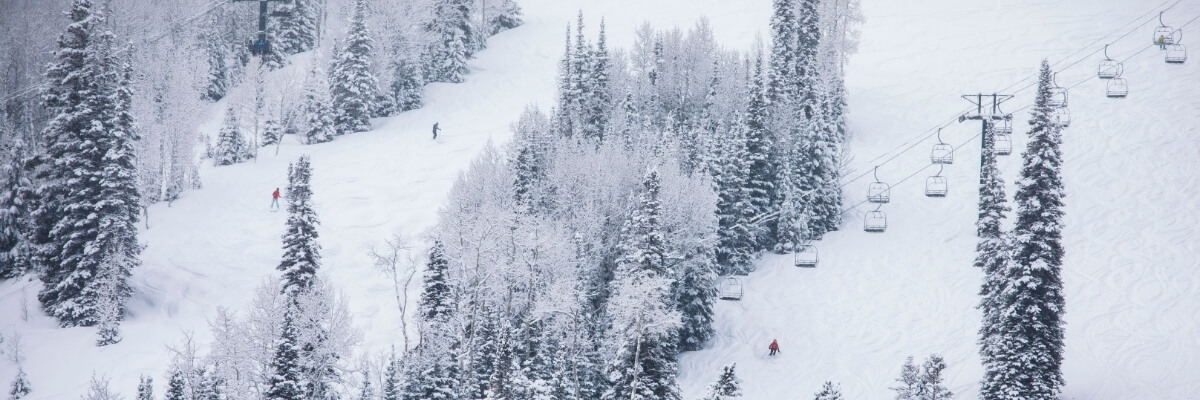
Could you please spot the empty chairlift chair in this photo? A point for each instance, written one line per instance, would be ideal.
(1109, 68)
(942, 153)
(879, 192)
(730, 289)
(1004, 128)
(937, 185)
(875, 221)
(1058, 94)
(806, 256)
(1176, 53)
(1062, 116)
(1117, 88)
(1003, 145)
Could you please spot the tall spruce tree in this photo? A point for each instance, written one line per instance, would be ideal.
(145, 390)
(317, 109)
(695, 294)
(781, 88)
(391, 379)
(760, 147)
(89, 193)
(301, 251)
(353, 85)
(1028, 356)
(231, 147)
(176, 385)
(408, 79)
(992, 257)
(931, 380)
(298, 32)
(909, 381)
(726, 387)
(15, 205)
(219, 76)
(599, 103)
(285, 382)
(436, 297)
(454, 41)
(736, 244)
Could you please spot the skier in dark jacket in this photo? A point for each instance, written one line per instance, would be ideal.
(435, 130)
(774, 347)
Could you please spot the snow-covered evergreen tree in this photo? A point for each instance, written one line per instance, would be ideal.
(931, 380)
(176, 385)
(272, 133)
(829, 392)
(1026, 358)
(20, 385)
(992, 255)
(15, 206)
(145, 390)
(726, 387)
(219, 78)
(454, 41)
(391, 379)
(286, 380)
(301, 251)
(353, 85)
(695, 293)
(317, 110)
(367, 391)
(90, 171)
(599, 97)
(644, 321)
(231, 147)
(298, 32)
(781, 88)
(505, 17)
(436, 297)
(909, 386)
(408, 77)
(736, 248)
(108, 305)
(760, 146)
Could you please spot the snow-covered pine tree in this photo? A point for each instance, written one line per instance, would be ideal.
(931, 380)
(219, 79)
(20, 385)
(408, 79)
(781, 88)
(736, 238)
(391, 379)
(176, 385)
(568, 96)
(318, 112)
(992, 255)
(91, 170)
(581, 81)
(829, 392)
(436, 297)
(909, 381)
(818, 160)
(726, 387)
(272, 133)
(599, 102)
(298, 32)
(1029, 353)
(760, 146)
(285, 382)
(231, 147)
(108, 303)
(367, 391)
(643, 320)
(145, 390)
(453, 42)
(354, 86)
(695, 292)
(301, 251)
(15, 205)
(507, 16)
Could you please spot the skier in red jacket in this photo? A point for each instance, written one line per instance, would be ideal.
(275, 199)
(774, 346)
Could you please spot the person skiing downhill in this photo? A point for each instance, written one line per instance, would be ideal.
(774, 347)
(275, 199)
(435, 130)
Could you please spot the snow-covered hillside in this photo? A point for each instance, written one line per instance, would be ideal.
(1132, 285)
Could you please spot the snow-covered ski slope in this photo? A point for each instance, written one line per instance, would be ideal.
(1132, 289)
(1132, 285)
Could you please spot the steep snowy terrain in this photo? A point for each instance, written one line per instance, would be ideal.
(876, 298)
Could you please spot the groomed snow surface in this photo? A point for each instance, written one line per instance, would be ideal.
(1133, 290)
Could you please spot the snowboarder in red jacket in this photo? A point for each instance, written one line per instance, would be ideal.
(275, 199)
(774, 347)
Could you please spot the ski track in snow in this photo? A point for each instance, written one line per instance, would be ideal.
(1130, 271)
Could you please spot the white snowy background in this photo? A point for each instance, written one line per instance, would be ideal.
(1131, 270)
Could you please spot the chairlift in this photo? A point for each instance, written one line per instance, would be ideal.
(1058, 94)
(879, 192)
(1062, 116)
(1004, 128)
(730, 289)
(942, 153)
(1117, 88)
(1003, 145)
(937, 185)
(875, 221)
(1109, 68)
(1163, 34)
(1176, 54)
(806, 256)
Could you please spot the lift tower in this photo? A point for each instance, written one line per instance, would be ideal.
(987, 116)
